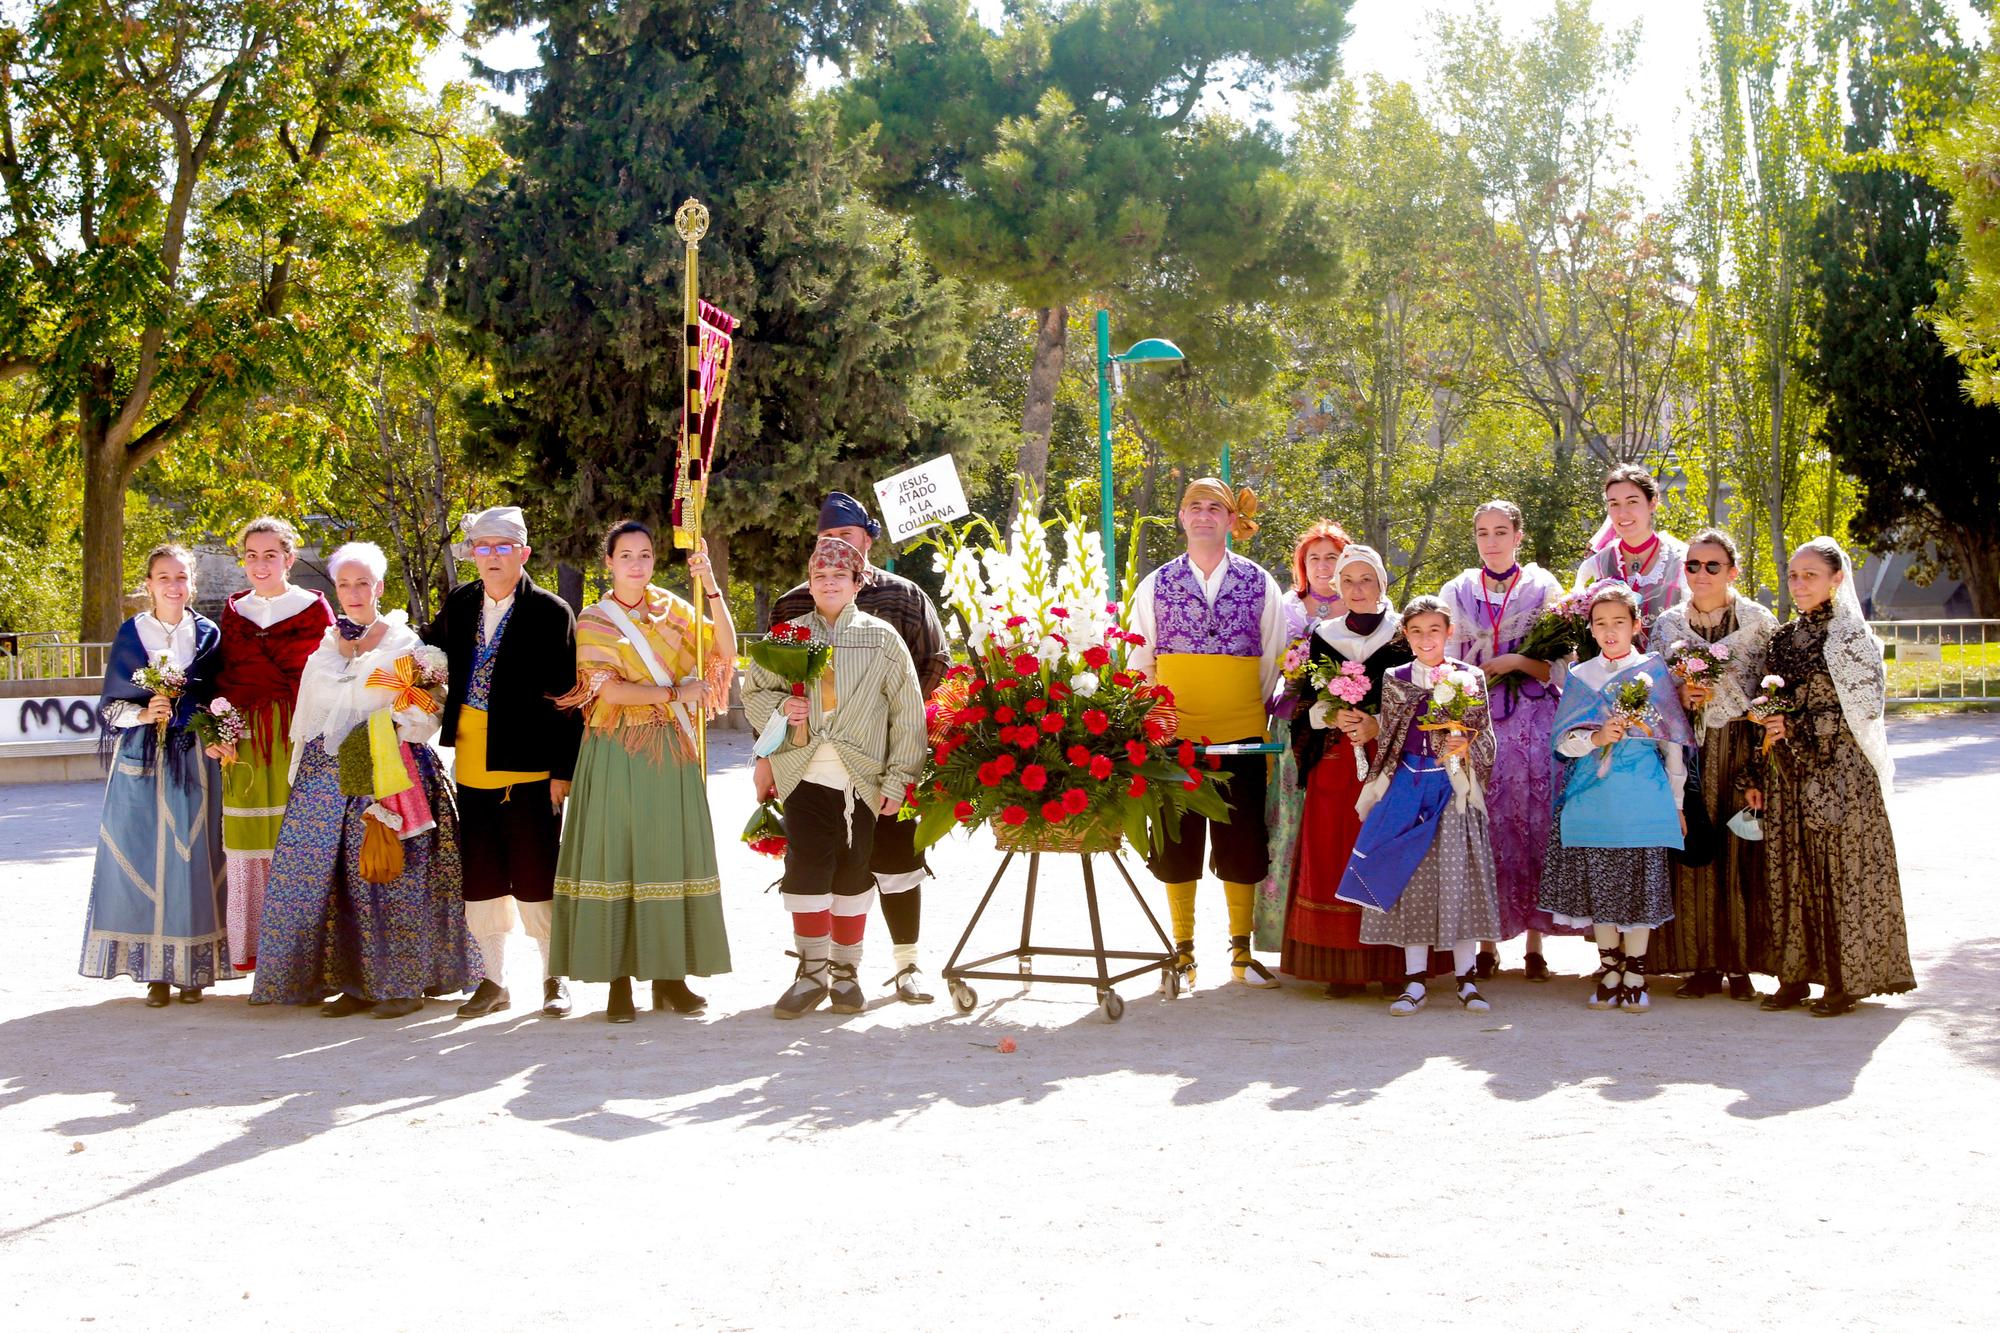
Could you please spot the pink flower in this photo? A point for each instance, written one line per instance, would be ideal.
(1006, 1046)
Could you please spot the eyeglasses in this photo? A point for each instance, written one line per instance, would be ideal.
(1706, 566)
(504, 548)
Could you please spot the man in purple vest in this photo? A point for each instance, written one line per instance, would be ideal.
(1215, 634)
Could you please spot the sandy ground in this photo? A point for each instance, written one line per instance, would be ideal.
(1234, 1159)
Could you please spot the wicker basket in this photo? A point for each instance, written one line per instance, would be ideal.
(1079, 836)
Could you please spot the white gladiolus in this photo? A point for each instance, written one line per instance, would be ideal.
(1084, 683)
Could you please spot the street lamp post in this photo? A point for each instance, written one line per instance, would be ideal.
(1146, 350)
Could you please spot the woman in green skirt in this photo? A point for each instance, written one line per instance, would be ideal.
(636, 888)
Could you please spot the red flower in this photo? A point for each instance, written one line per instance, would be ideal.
(958, 672)
(1005, 683)
(1122, 679)
(1163, 694)
(970, 715)
(1193, 782)
(962, 812)
(1075, 801)
(1052, 723)
(799, 689)
(1156, 731)
(1059, 612)
(989, 776)
(943, 752)
(1003, 715)
(1014, 815)
(1076, 754)
(1100, 767)
(1026, 665)
(1057, 691)
(1034, 777)
(1138, 787)
(1214, 762)
(1003, 764)
(1184, 756)
(1015, 622)
(1100, 656)
(1095, 720)
(1137, 752)
(1054, 812)
(1034, 706)
(1027, 738)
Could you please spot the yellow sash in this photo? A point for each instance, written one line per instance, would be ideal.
(471, 770)
(1219, 697)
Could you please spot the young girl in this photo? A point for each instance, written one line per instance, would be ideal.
(156, 894)
(1492, 608)
(1423, 865)
(1716, 905)
(1836, 901)
(1650, 563)
(1619, 800)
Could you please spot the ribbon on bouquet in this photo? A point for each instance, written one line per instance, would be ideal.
(401, 676)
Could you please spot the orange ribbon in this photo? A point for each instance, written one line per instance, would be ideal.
(401, 676)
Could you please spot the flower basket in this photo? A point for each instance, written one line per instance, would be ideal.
(1078, 836)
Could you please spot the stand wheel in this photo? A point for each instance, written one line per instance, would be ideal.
(963, 997)
(1114, 1004)
(1170, 982)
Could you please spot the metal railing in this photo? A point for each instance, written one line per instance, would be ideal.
(1941, 661)
(43, 655)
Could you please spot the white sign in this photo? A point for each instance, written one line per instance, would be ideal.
(49, 718)
(1919, 652)
(925, 495)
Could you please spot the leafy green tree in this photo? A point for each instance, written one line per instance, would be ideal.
(1063, 158)
(1965, 160)
(190, 193)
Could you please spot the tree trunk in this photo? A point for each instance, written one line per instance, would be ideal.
(1038, 414)
(569, 585)
(760, 609)
(718, 556)
(1979, 566)
(1774, 491)
(104, 478)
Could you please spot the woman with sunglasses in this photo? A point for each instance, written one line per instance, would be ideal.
(1717, 904)
(1628, 550)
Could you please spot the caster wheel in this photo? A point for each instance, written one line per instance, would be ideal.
(1114, 1005)
(1170, 983)
(963, 997)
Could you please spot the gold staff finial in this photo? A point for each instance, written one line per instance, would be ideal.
(691, 221)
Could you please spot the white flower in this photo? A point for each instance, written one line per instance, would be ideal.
(1084, 683)
(1049, 649)
(221, 707)
(1468, 682)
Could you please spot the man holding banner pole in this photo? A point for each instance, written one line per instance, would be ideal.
(898, 867)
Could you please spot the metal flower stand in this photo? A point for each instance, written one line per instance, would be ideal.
(957, 974)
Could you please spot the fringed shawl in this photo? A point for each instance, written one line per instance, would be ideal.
(603, 653)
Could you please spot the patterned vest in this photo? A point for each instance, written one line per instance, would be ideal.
(1186, 623)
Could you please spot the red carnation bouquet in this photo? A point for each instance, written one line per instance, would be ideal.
(794, 655)
(765, 833)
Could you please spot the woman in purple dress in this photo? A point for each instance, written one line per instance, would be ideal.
(1492, 608)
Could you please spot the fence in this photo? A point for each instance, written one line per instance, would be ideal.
(43, 655)
(1941, 661)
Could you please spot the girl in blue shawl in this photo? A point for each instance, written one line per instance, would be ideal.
(157, 891)
(1619, 736)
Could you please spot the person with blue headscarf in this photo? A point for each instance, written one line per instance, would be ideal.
(1619, 736)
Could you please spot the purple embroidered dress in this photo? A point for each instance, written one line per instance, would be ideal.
(1486, 625)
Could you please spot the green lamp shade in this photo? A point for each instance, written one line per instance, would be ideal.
(1150, 349)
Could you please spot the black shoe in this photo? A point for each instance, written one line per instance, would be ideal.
(1538, 967)
(620, 1010)
(1789, 995)
(675, 995)
(490, 998)
(909, 984)
(398, 1008)
(1486, 964)
(555, 998)
(1741, 989)
(158, 995)
(340, 1006)
(1833, 1003)
(844, 995)
(439, 992)
(1699, 986)
(807, 991)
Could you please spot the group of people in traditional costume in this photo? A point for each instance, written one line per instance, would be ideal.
(1454, 793)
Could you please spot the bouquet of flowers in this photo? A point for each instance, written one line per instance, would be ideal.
(1560, 630)
(163, 678)
(220, 724)
(1347, 684)
(792, 654)
(1700, 665)
(1633, 702)
(1777, 699)
(1298, 656)
(1040, 729)
(765, 833)
(1454, 693)
(417, 678)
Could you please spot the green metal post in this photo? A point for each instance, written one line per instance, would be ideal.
(1107, 512)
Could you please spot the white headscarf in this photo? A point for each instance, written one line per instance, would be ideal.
(1854, 661)
(503, 522)
(1356, 554)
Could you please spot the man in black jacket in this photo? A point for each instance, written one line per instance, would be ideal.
(512, 648)
(898, 867)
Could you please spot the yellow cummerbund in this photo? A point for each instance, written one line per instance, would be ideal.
(1219, 697)
(470, 769)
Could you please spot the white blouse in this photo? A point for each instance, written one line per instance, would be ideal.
(1577, 743)
(156, 637)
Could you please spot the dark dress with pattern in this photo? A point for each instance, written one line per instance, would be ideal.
(1835, 898)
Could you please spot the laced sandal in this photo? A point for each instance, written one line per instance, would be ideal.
(1610, 966)
(1411, 1000)
(843, 991)
(1538, 967)
(1468, 993)
(1633, 997)
(1244, 967)
(909, 986)
(807, 991)
(1833, 1003)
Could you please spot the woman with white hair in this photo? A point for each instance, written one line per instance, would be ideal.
(364, 901)
(1834, 896)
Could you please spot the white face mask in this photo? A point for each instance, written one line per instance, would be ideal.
(1746, 825)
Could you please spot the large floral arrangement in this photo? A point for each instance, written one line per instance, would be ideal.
(1040, 728)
